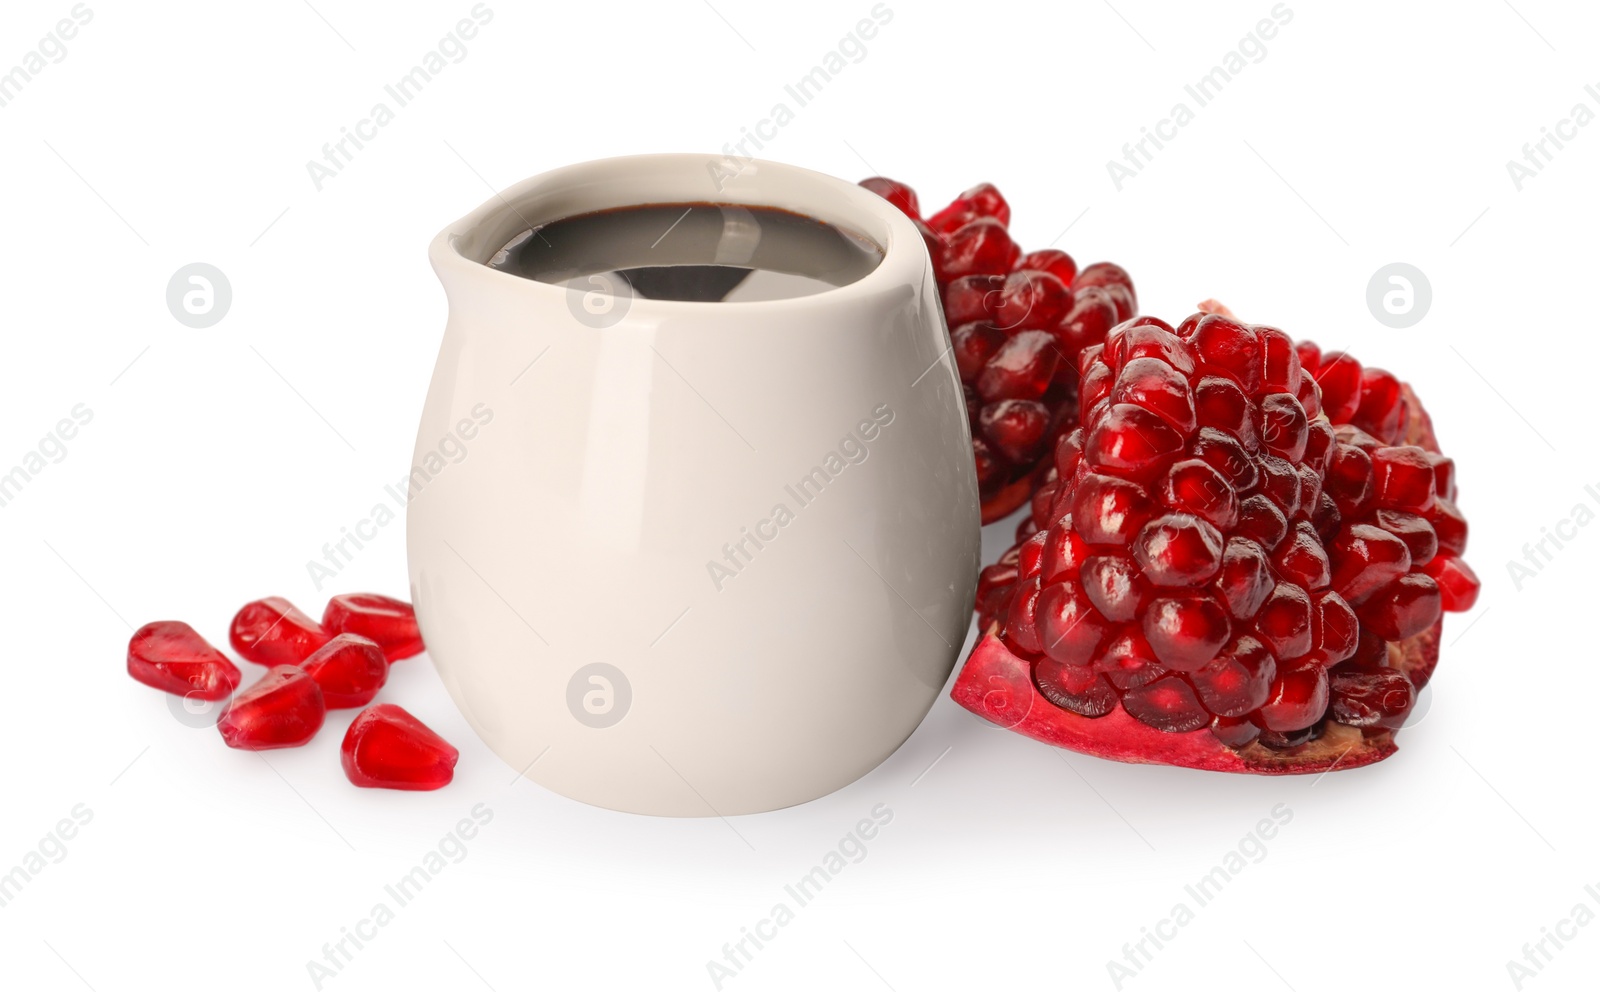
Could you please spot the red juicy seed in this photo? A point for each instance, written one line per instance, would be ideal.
(1325, 518)
(171, 656)
(1379, 413)
(1339, 377)
(990, 464)
(1280, 483)
(972, 298)
(1192, 486)
(1237, 680)
(272, 631)
(1350, 479)
(1020, 627)
(1235, 733)
(1127, 660)
(1097, 386)
(1262, 522)
(1079, 690)
(1458, 584)
(983, 246)
(1087, 322)
(1069, 452)
(1404, 608)
(1016, 428)
(1319, 445)
(1225, 345)
(1221, 403)
(1043, 499)
(1449, 526)
(982, 200)
(899, 194)
(1280, 364)
(1069, 628)
(1030, 554)
(1157, 387)
(1365, 559)
(1444, 475)
(1297, 699)
(1112, 584)
(1186, 632)
(1244, 581)
(1226, 455)
(1131, 442)
(1178, 550)
(1032, 301)
(1310, 355)
(283, 709)
(1021, 369)
(992, 581)
(1302, 559)
(1167, 704)
(1403, 478)
(1309, 396)
(1064, 552)
(1415, 530)
(391, 622)
(1115, 280)
(1283, 426)
(1335, 631)
(1026, 528)
(974, 344)
(1145, 339)
(388, 748)
(1107, 510)
(1284, 621)
(1054, 261)
(350, 669)
(935, 243)
(1366, 696)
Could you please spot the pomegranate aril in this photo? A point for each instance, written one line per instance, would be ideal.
(171, 656)
(1350, 479)
(1069, 627)
(1403, 479)
(350, 669)
(1367, 696)
(1167, 704)
(1225, 454)
(1339, 377)
(273, 631)
(973, 344)
(1079, 690)
(1444, 475)
(1021, 369)
(1155, 386)
(1365, 559)
(1131, 442)
(1178, 550)
(1064, 551)
(1404, 608)
(391, 622)
(1283, 427)
(980, 247)
(1108, 510)
(982, 200)
(1234, 732)
(283, 709)
(1335, 630)
(1186, 632)
(1221, 403)
(1192, 486)
(1031, 300)
(897, 193)
(1237, 681)
(1113, 585)
(1413, 529)
(1016, 428)
(1262, 522)
(1087, 322)
(1380, 410)
(1302, 559)
(1297, 699)
(1114, 280)
(1020, 627)
(1449, 526)
(1458, 584)
(388, 748)
(1245, 580)
(1224, 345)
(971, 298)
(1280, 363)
(1052, 260)
(1284, 621)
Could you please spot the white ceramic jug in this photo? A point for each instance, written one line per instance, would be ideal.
(692, 559)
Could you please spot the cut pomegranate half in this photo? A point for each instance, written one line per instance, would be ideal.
(1018, 325)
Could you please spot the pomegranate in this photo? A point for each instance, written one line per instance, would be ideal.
(1220, 577)
(1018, 324)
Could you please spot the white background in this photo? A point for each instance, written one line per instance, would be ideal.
(218, 462)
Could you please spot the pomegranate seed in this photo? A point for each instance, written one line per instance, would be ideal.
(1057, 263)
(1235, 733)
(1226, 455)
(1444, 475)
(1032, 301)
(1107, 510)
(1030, 555)
(1335, 629)
(1404, 608)
(1069, 628)
(1449, 526)
(1458, 584)
(971, 298)
(388, 748)
(1020, 626)
(1302, 559)
(273, 631)
(980, 247)
(982, 200)
(1167, 704)
(899, 194)
(1112, 584)
(1244, 581)
(1226, 346)
(1350, 479)
(171, 656)
(1339, 376)
(1237, 681)
(1178, 550)
(1086, 322)
(1283, 426)
(1379, 413)
(1186, 632)
(1297, 699)
(1413, 529)
(1221, 403)
(391, 622)
(1132, 442)
(1365, 696)
(973, 345)
(1403, 479)
(283, 709)
(1262, 522)
(1016, 428)
(350, 669)
(1114, 280)
(1079, 690)
(1284, 621)
(1064, 552)
(1021, 369)
(1153, 385)
(1366, 559)
(1280, 363)
(1192, 486)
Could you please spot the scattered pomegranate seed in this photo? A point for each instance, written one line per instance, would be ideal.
(273, 631)
(349, 669)
(283, 709)
(899, 194)
(388, 748)
(392, 623)
(169, 655)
